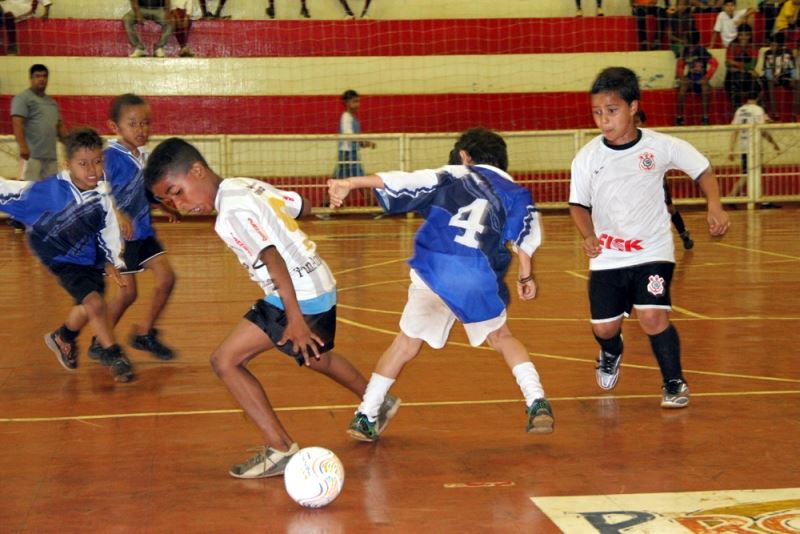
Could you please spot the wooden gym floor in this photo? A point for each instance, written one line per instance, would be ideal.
(82, 454)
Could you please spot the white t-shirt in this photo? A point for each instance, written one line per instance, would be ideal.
(253, 215)
(748, 114)
(624, 188)
(726, 26)
(20, 7)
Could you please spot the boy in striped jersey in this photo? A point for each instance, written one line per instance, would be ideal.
(472, 209)
(298, 313)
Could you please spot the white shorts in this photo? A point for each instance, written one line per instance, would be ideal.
(428, 318)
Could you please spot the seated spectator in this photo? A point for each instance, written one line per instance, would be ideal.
(728, 21)
(303, 9)
(786, 20)
(217, 14)
(780, 70)
(695, 68)
(770, 10)
(181, 20)
(13, 11)
(579, 11)
(740, 67)
(706, 6)
(641, 10)
(681, 26)
(142, 10)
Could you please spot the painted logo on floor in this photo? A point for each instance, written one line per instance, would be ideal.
(771, 511)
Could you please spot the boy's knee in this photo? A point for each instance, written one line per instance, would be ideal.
(219, 364)
(654, 323)
(605, 330)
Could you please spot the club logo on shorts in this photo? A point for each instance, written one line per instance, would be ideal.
(656, 285)
(647, 161)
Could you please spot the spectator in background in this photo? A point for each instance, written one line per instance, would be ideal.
(303, 9)
(728, 21)
(681, 26)
(770, 10)
(641, 10)
(217, 14)
(13, 11)
(579, 11)
(740, 64)
(706, 6)
(181, 20)
(695, 68)
(780, 70)
(786, 20)
(141, 10)
(37, 126)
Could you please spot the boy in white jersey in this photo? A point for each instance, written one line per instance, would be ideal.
(617, 202)
(472, 210)
(298, 313)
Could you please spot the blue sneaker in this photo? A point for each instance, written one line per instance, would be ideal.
(540, 417)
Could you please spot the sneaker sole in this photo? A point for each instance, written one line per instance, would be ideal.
(249, 477)
(355, 434)
(542, 424)
(674, 405)
(52, 345)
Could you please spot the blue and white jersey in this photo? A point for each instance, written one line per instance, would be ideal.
(471, 213)
(124, 172)
(65, 224)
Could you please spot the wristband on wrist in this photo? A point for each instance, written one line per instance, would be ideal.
(525, 280)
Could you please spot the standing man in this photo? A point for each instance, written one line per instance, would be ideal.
(37, 125)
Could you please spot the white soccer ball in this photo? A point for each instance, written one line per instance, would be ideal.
(314, 477)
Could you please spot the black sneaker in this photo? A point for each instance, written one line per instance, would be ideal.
(688, 244)
(66, 353)
(705, 121)
(121, 367)
(679, 120)
(304, 12)
(271, 12)
(95, 350)
(150, 343)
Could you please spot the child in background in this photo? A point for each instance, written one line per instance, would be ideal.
(298, 312)
(124, 164)
(472, 210)
(73, 229)
(749, 113)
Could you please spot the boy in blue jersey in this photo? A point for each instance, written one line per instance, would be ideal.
(460, 260)
(124, 161)
(72, 227)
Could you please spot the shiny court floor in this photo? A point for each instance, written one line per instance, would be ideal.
(83, 454)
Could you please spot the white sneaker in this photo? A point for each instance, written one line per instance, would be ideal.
(607, 370)
(267, 463)
(388, 409)
(159, 52)
(139, 52)
(674, 394)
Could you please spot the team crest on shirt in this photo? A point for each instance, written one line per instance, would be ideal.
(656, 285)
(647, 161)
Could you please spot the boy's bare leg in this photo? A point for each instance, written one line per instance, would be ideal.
(229, 362)
(341, 371)
(512, 350)
(123, 298)
(164, 278)
(97, 312)
(402, 350)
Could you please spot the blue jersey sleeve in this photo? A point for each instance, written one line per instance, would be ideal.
(13, 199)
(407, 191)
(522, 222)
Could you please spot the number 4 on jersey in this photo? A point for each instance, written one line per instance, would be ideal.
(470, 218)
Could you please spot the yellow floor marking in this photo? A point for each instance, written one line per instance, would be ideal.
(421, 404)
(689, 313)
(768, 253)
(577, 275)
(361, 267)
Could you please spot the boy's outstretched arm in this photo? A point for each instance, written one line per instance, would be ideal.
(718, 221)
(339, 189)
(526, 284)
(583, 220)
(297, 331)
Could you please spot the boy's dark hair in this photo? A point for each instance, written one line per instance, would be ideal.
(349, 95)
(729, 2)
(619, 80)
(483, 146)
(744, 28)
(123, 101)
(694, 37)
(37, 67)
(172, 155)
(641, 116)
(82, 138)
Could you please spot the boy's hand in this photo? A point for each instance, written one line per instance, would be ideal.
(125, 226)
(591, 246)
(526, 290)
(338, 191)
(718, 221)
(114, 274)
(303, 340)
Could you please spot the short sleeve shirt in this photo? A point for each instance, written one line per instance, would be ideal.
(726, 25)
(624, 189)
(748, 114)
(41, 122)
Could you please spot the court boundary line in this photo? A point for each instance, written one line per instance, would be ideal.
(419, 404)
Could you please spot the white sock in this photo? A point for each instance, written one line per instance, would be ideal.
(376, 391)
(528, 380)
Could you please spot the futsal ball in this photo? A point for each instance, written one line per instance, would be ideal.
(314, 477)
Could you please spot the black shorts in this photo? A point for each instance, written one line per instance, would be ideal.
(139, 252)
(272, 320)
(614, 292)
(79, 280)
